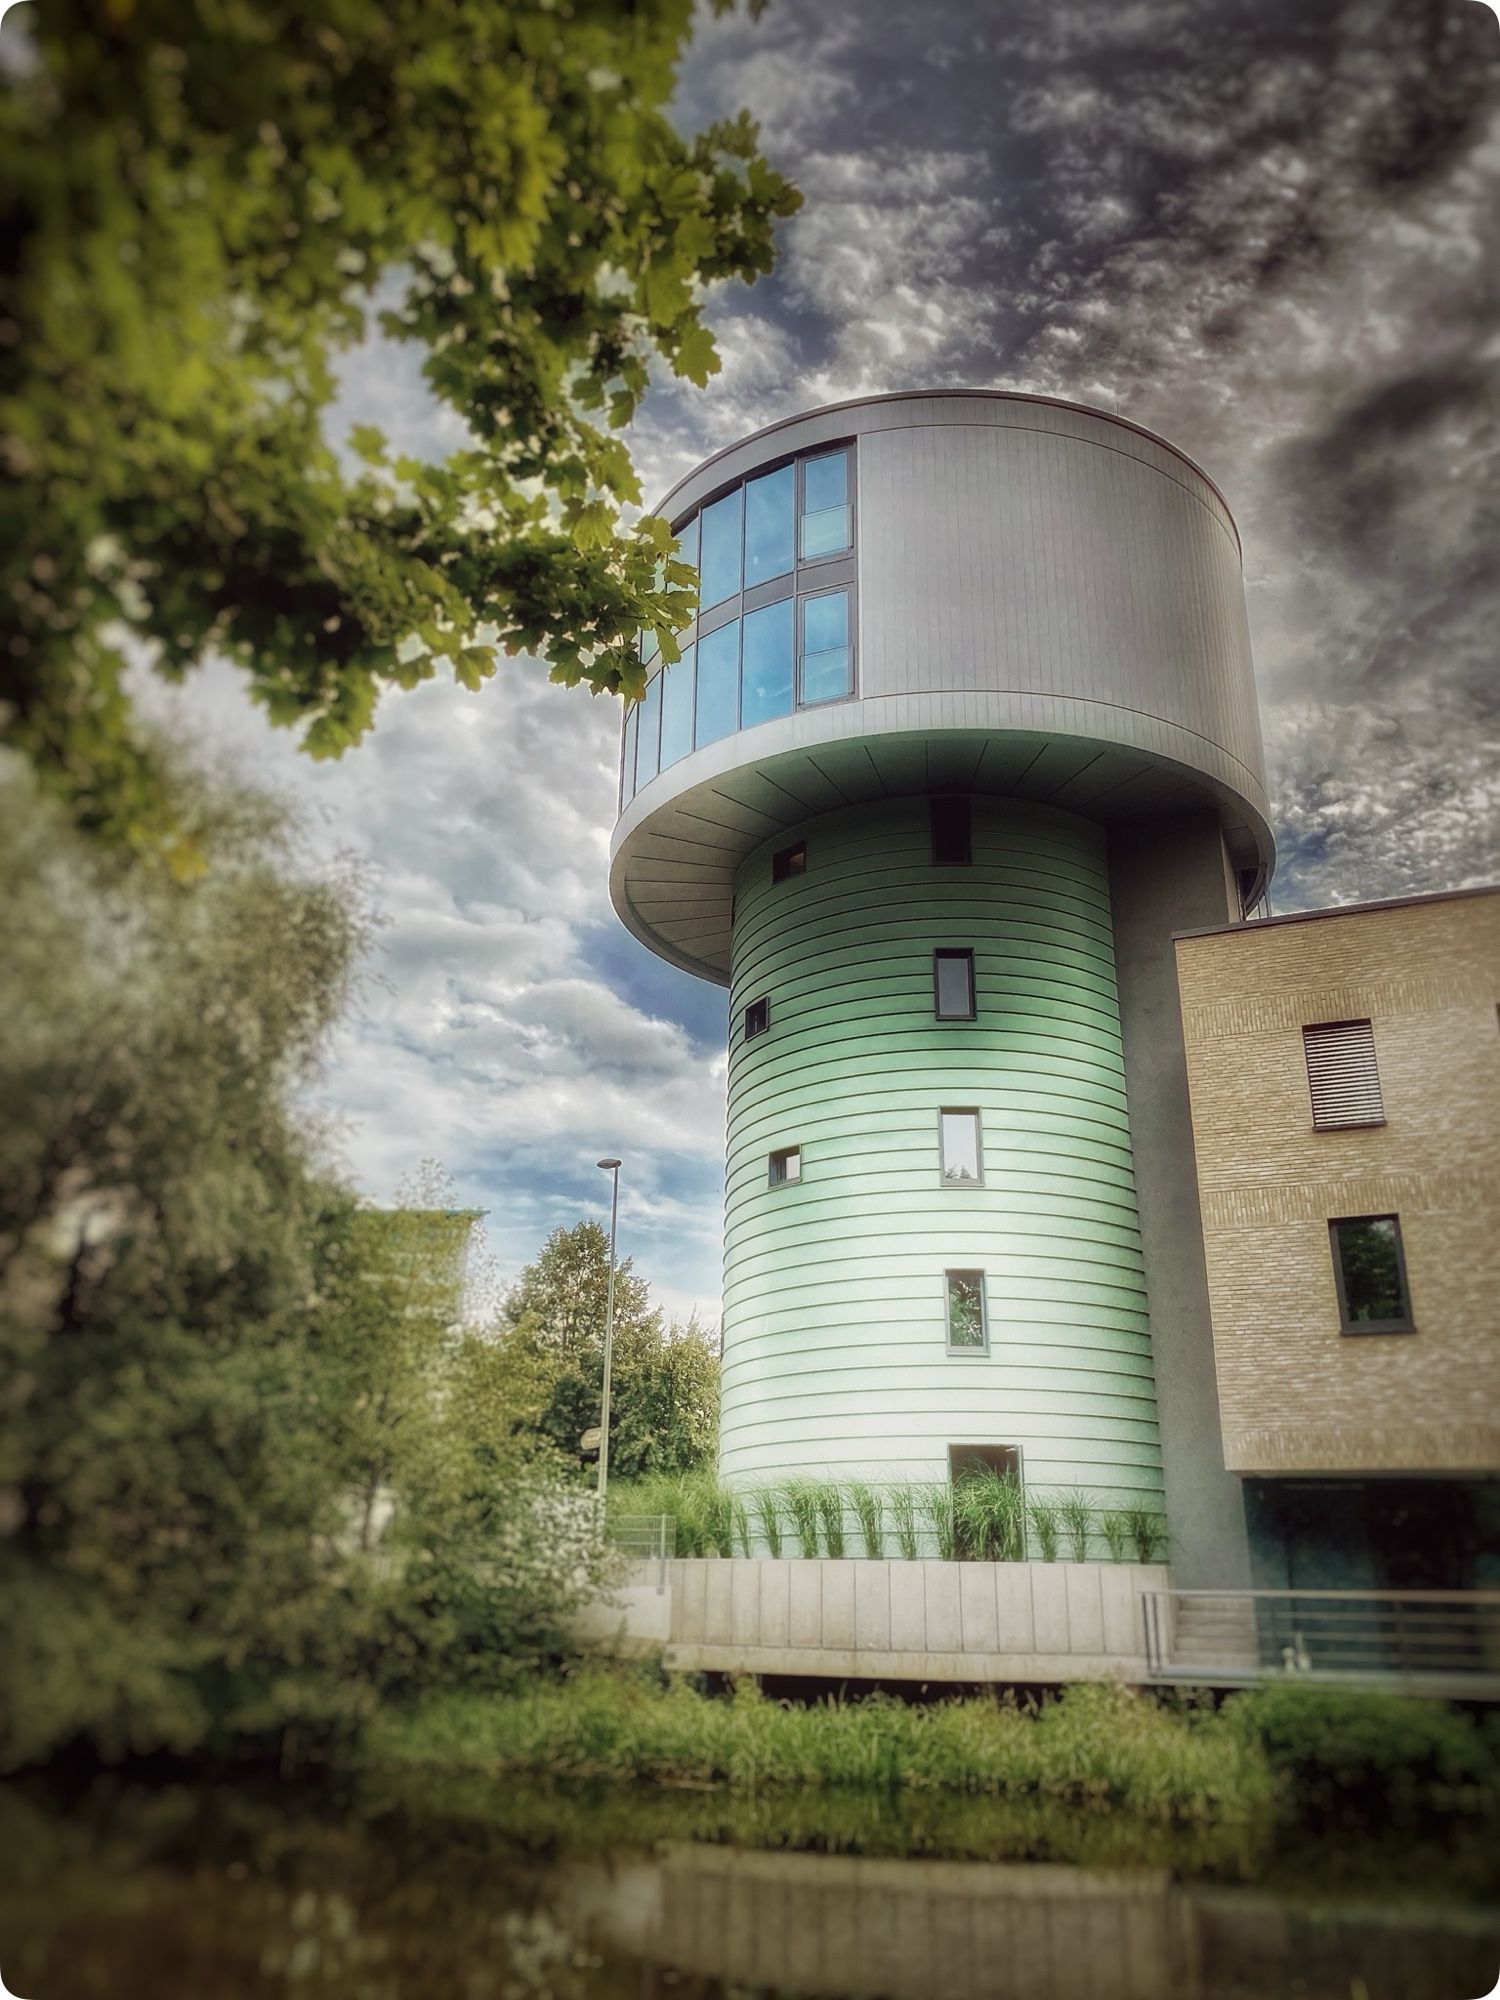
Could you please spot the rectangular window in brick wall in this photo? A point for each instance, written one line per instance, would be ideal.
(1342, 1076)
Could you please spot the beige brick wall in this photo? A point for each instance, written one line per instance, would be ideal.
(1294, 1392)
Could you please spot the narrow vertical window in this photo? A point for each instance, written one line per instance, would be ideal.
(825, 505)
(959, 1133)
(968, 1332)
(1369, 1274)
(950, 833)
(786, 1165)
(789, 861)
(648, 745)
(953, 985)
(766, 683)
(825, 647)
(757, 1018)
(770, 504)
(1342, 1077)
(718, 683)
(627, 756)
(677, 709)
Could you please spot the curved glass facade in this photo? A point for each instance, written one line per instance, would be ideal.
(775, 624)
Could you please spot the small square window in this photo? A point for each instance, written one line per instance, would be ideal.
(953, 985)
(789, 862)
(757, 1019)
(1369, 1274)
(968, 1332)
(958, 1132)
(950, 833)
(786, 1166)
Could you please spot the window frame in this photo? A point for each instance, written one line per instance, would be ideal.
(829, 450)
(750, 1034)
(839, 587)
(954, 951)
(983, 1347)
(961, 1111)
(779, 1155)
(1342, 1124)
(788, 864)
(1357, 1327)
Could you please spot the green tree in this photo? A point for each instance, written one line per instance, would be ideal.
(664, 1394)
(249, 1486)
(207, 205)
(162, 1478)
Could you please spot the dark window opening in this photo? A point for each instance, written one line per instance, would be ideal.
(789, 862)
(757, 1018)
(953, 985)
(786, 1165)
(951, 846)
(1369, 1274)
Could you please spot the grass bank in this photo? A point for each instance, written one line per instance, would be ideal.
(1092, 1745)
(1274, 1752)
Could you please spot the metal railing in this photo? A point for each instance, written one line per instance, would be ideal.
(1422, 1640)
(650, 1542)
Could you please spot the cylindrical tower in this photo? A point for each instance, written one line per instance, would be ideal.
(953, 653)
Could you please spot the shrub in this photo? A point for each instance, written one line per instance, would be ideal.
(830, 1500)
(1148, 1533)
(942, 1518)
(1045, 1517)
(1112, 1527)
(719, 1522)
(990, 1513)
(768, 1517)
(1077, 1511)
(802, 1506)
(1370, 1752)
(903, 1503)
(869, 1511)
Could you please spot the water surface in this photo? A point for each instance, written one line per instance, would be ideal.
(472, 1888)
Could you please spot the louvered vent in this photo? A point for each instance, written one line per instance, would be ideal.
(1342, 1076)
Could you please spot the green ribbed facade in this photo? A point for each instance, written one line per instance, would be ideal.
(836, 1354)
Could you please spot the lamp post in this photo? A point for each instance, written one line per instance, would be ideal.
(611, 1167)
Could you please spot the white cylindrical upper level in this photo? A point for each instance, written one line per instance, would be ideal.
(1043, 602)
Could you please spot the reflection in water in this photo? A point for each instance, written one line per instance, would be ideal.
(227, 1894)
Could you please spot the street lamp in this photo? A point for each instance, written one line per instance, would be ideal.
(611, 1167)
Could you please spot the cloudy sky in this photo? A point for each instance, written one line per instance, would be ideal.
(1267, 228)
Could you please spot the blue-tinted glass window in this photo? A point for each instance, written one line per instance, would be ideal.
(718, 682)
(825, 505)
(677, 709)
(627, 759)
(767, 679)
(770, 504)
(646, 747)
(719, 560)
(825, 647)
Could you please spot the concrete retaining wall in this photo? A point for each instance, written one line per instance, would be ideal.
(925, 1621)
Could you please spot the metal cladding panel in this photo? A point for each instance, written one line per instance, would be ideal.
(1048, 606)
(835, 1336)
(997, 560)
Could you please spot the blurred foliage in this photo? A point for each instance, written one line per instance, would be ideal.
(205, 206)
(664, 1394)
(246, 1485)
